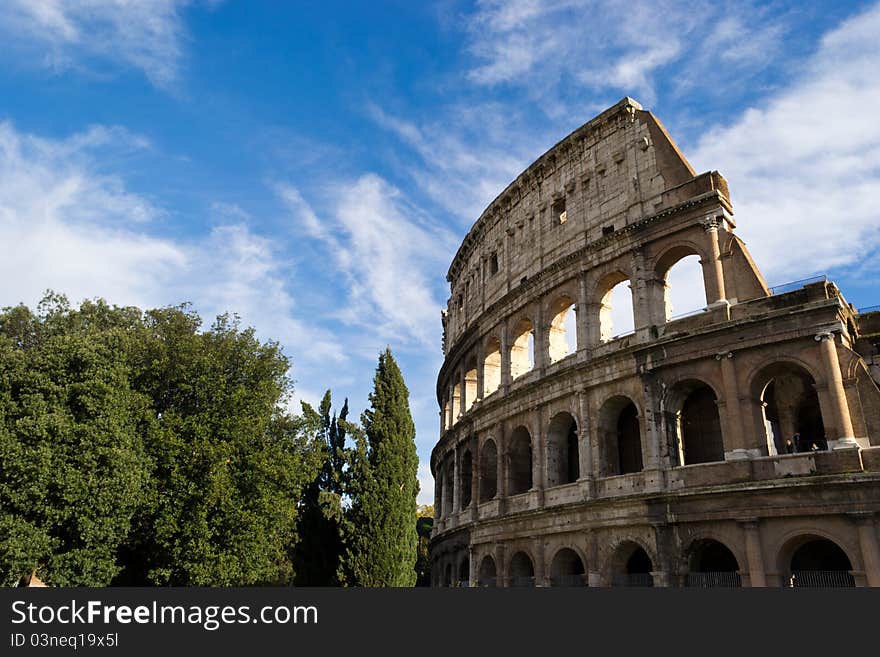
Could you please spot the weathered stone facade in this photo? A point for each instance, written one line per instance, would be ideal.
(665, 456)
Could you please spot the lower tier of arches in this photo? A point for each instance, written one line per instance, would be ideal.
(631, 545)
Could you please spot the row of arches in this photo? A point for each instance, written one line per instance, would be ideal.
(680, 278)
(790, 413)
(807, 561)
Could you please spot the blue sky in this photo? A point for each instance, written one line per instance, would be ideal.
(313, 166)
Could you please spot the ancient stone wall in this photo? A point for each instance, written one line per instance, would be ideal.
(573, 452)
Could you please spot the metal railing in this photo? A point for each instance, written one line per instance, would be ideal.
(487, 582)
(797, 285)
(568, 580)
(868, 309)
(643, 580)
(689, 313)
(829, 579)
(522, 581)
(707, 580)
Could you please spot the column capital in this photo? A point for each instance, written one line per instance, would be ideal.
(709, 223)
(723, 355)
(824, 336)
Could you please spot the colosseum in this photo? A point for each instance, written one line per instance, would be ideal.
(738, 445)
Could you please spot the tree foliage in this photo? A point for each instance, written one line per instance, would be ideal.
(381, 539)
(137, 449)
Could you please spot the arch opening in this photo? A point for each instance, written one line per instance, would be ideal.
(633, 567)
(792, 418)
(466, 479)
(711, 564)
(684, 290)
(563, 462)
(487, 577)
(464, 573)
(488, 471)
(563, 329)
(492, 367)
(520, 462)
(522, 572)
(470, 384)
(522, 351)
(819, 562)
(616, 313)
(567, 569)
(620, 435)
(699, 425)
(456, 401)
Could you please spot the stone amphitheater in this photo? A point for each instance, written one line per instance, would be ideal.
(738, 445)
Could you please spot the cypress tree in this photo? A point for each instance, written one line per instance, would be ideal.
(382, 485)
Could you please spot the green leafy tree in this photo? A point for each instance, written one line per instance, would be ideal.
(137, 449)
(73, 466)
(318, 551)
(380, 529)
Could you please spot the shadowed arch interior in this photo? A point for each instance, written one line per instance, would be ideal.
(522, 572)
(620, 436)
(567, 569)
(792, 417)
(487, 576)
(488, 471)
(466, 478)
(520, 462)
(562, 450)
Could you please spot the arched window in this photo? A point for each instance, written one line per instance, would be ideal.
(562, 451)
(487, 576)
(520, 463)
(522, 351)
(522, 572)
(567, 569)
(488, 471)
(456, 401)
(699, 427)
(792, 418)
(563, 329)
(492, 367)
(711, 564)
(467, 470)
(616, 312)
(470, 383)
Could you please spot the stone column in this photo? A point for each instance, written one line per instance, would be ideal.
(476, 469)
(505, 360)
(594, 322)
(754, 553)
(640, 284)
(463, 383)
(438, 494)
(473, 572)
(651, 411)
(456, 484)
(501, 462)
(481, 364)
(501, 576)
(540, 579)
(837, 395)
(869, 547)
(582, 316)
(452, 417)
(735, 446)
(585, 447)
(539, 455)
(542, 342)
(714, 272)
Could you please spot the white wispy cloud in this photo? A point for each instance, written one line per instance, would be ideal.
(67, 226)
(555, 47)
(804, 164)
(147, 34)
(387, 251)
